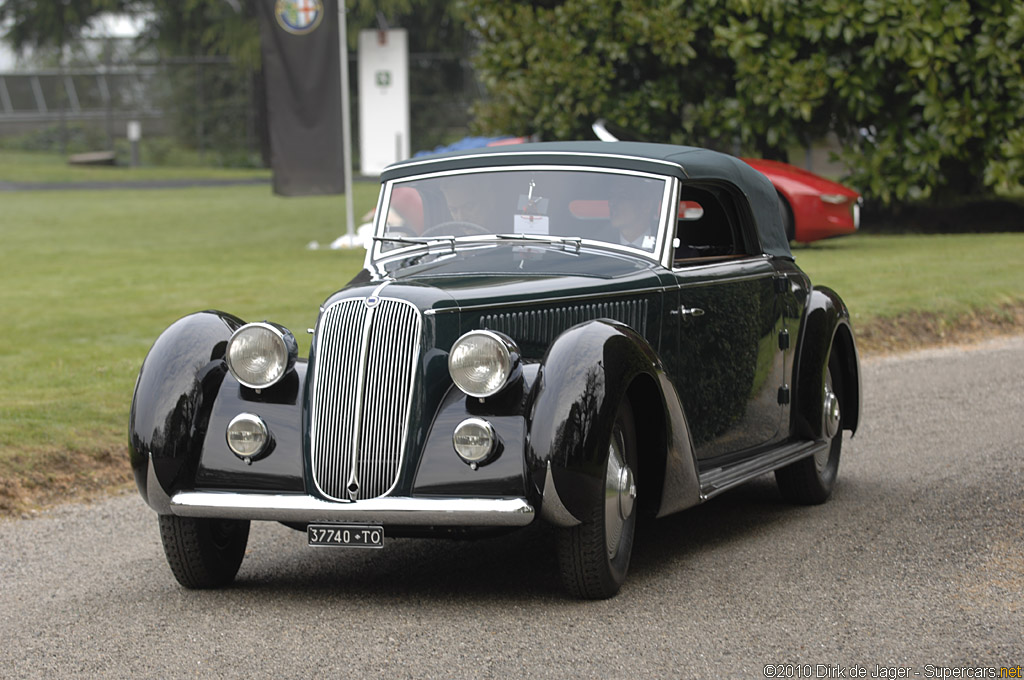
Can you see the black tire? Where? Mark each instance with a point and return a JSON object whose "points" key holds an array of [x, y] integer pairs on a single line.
{"points": [[203, 552], [594, 556], [810, 481]]}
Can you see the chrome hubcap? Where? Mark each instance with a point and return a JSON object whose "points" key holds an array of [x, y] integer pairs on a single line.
{"points": [[619, 495], [831, 414], [831, 418]]}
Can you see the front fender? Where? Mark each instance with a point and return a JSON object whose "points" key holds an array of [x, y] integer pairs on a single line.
{"points": [[825, 329], [174, 394], [584, 376]]}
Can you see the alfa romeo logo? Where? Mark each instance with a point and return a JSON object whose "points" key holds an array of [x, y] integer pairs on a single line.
{"points": [[299, 16]]}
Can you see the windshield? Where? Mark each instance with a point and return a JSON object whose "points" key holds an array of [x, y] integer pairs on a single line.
{"points": [[617, 208]]}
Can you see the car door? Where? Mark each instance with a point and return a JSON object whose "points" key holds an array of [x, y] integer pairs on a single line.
{"points": [[725, 330]]}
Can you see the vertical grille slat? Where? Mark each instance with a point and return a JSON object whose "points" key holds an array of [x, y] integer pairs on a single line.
{"points": [[364, 356]]}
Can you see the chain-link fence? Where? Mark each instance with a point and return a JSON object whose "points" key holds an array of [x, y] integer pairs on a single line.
{"points": [[205, 109]]}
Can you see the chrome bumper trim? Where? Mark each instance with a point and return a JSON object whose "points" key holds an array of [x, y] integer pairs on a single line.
{"points": [[396, 511]]}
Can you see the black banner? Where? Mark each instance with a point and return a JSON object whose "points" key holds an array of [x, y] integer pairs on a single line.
{"points": [[301, 67]]}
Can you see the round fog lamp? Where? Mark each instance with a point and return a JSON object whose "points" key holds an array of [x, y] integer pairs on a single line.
{"points": [[259, 354], [474, 440], [247, 436], [481, 363]]}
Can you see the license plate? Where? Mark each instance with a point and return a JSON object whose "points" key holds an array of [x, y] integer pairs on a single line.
{"points": [[345, 536]]}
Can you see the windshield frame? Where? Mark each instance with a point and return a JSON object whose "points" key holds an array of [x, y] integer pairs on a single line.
{"points": [[377, 256]]}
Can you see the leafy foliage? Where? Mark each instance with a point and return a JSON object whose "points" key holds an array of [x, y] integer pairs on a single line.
{"points": [[926, 96], [209, 98], [41, 23], [205, 27]]}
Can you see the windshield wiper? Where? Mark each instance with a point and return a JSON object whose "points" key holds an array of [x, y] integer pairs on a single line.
{"points": [[416, 241], [574, 241]]}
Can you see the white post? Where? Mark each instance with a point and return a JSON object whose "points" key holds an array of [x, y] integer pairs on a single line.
{"points": [[134, 133], [346, 124]]}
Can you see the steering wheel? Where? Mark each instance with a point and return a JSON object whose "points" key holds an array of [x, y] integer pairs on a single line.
{"points": [[454, 228]]}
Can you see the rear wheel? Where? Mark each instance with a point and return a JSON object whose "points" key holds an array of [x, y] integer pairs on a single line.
{"points": [[810, 481], [594, 555], [203, 552]]}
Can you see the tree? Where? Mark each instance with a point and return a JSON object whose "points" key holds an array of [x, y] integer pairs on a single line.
{"points": [[926, 96], [208, 101], [37, 23]]}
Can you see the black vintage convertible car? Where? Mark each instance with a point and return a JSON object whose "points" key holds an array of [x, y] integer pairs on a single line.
{"points": [[580, 334]]}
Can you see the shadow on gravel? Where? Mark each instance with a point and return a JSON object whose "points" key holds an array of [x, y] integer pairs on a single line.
{"points": [[517, 567]]}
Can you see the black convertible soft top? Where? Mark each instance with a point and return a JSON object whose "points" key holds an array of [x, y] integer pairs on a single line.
{"points": [[684, 162]]}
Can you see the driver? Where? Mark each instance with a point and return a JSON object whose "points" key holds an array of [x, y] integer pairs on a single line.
{"points": [[471, 199]]}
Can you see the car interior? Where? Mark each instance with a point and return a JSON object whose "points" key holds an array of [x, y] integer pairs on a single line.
{"points": [[707, 226]]}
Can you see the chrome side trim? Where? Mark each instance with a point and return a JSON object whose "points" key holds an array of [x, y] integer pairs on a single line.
{"points": [[156, 497], [717, 480], [396, 511], [680, 486], [506, 154], [552, 509]]}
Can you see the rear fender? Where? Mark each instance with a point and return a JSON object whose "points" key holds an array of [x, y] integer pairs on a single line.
{"points": [[826, 329]]}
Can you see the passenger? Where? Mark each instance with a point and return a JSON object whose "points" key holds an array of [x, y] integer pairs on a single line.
{"points": [[635, 216]]}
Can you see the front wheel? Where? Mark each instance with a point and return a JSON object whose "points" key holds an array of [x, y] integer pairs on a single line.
{"points": [[204, 552], [594, 555]]}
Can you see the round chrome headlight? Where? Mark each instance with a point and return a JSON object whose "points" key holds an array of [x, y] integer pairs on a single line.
{"points": [[247, 436], [474, 440], [481, 363], [259, 354]]}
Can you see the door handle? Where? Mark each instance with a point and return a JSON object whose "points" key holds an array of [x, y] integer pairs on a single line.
{"points": [[688, 311]]}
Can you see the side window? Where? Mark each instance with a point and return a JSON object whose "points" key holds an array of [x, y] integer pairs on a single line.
{"points": [[707, 226]]}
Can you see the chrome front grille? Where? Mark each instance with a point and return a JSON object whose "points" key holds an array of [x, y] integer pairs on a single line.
{"points": [[364, 370], [544, 325]]}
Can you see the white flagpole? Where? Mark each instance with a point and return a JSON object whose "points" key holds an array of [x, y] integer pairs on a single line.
{"points": [[346, 124]]}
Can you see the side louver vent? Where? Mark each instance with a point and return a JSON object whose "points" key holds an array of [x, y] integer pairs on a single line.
{"points": [[543, 326]]}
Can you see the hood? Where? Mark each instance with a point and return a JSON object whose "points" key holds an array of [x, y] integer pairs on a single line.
{"points": [[505, 274]]}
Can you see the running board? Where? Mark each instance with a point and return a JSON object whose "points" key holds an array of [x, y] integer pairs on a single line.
{"points": [[717, 480]]}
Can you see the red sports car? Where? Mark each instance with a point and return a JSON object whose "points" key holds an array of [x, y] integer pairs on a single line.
{"points": [[814, 207]]}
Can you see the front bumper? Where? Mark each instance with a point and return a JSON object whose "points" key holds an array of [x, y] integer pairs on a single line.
{"points": [[394, 511], [423, 511]]}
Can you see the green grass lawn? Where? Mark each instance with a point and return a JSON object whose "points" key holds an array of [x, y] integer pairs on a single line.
{"points": [[948, 275], [88, 280]]}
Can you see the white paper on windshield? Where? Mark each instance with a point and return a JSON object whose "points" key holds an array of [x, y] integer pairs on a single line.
{"points": [[531, 224]]}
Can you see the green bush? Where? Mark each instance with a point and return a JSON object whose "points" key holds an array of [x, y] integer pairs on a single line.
{"points": [[926, 96], [77, 139]]}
